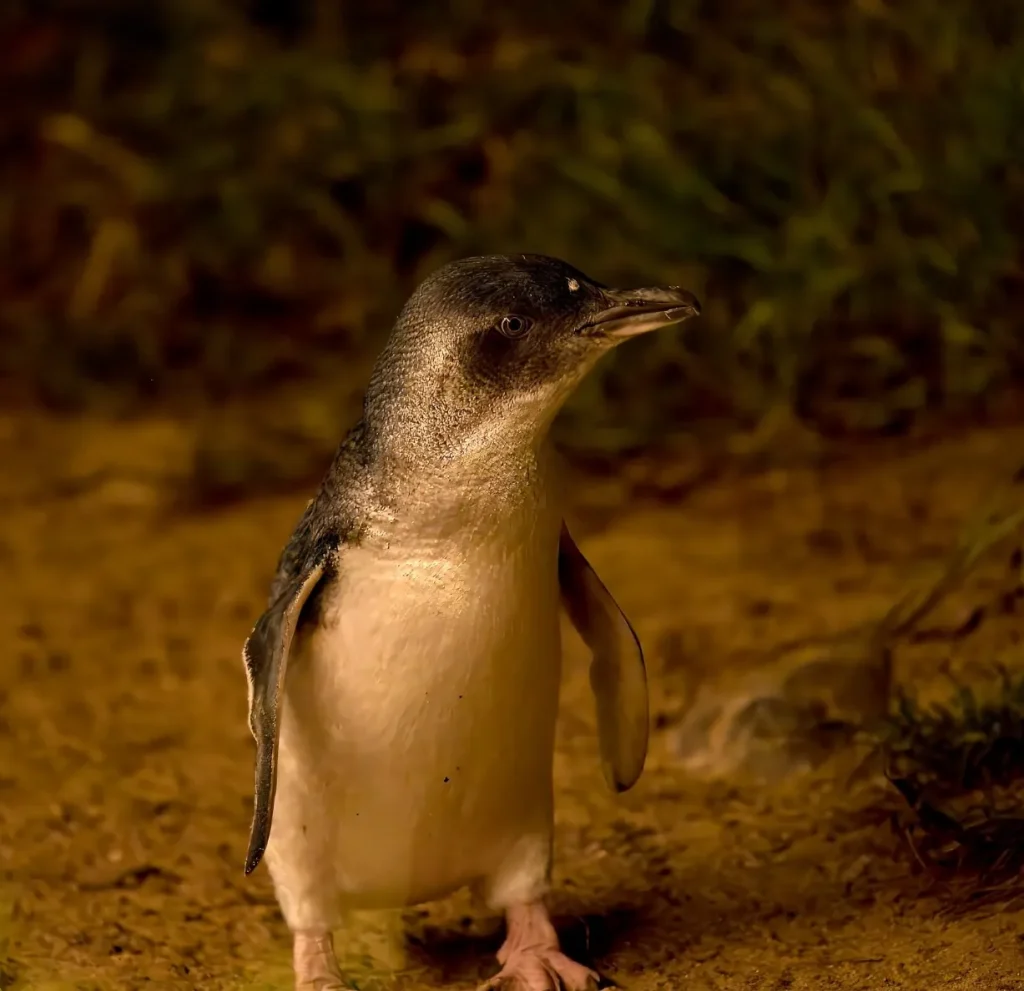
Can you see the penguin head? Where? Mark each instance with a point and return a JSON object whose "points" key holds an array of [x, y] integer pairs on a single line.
{"points": [[487, 349]]}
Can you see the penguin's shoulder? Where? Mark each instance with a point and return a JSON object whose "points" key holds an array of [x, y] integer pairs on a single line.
{"points": [[334, 518]]}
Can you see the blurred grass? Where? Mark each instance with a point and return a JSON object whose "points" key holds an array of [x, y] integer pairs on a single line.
{"points": [[958, 768], [202, 198]]}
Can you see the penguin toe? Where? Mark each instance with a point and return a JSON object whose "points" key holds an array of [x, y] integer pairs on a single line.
{"points": [[542, 970]]}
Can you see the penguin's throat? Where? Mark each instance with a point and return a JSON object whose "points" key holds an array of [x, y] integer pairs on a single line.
{"points": [[450, 455], [478, 490]]}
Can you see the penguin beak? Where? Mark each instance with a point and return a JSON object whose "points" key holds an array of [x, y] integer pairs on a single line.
{"points": [[629, 312]]}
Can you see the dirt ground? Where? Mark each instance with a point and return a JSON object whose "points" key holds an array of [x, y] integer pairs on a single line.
{"points": [[126, 763]]}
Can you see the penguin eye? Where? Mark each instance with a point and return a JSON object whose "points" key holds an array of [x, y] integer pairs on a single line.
{"points": [[514, 326]]}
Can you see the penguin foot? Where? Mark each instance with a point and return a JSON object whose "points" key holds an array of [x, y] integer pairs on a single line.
{"points": [[542, 970], [316, 968], [531, 959]]}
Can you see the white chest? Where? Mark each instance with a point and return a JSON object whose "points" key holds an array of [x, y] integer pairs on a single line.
{"points": [[402, 634], [425, 647], [421, 706]]}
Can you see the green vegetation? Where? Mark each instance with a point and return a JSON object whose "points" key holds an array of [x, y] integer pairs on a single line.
{"points": [[201, 198], [959, 769]]}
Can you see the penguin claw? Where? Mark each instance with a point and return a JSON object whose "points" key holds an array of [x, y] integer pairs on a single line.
{"points": [[541, 970]]}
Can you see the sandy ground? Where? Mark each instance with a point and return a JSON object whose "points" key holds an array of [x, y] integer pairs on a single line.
{"points": [[125, 761]]}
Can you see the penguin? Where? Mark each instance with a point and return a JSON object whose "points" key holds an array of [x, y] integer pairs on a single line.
{"points": [[403, 682]]}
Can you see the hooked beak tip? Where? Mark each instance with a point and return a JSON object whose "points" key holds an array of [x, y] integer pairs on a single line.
{"points": [[636, 311]]}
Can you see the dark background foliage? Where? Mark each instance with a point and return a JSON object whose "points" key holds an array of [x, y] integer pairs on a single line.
{"points": [[203, 198]]}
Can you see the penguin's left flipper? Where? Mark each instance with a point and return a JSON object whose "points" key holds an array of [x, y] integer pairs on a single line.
{"points": [[266, 660], [617, 673]]}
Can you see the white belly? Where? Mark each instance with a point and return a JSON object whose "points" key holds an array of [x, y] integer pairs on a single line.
{"points": [[418, 727]]}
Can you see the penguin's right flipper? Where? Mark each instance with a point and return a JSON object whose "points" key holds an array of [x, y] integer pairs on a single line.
{"points": [[266, 659]]}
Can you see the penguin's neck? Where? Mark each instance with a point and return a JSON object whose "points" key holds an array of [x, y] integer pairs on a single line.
{"points": [[440, 490]]}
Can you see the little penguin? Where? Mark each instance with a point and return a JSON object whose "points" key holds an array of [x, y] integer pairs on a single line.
{"points": [[404, 679]]}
